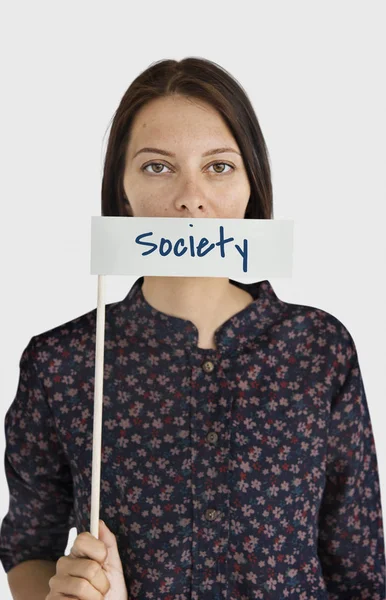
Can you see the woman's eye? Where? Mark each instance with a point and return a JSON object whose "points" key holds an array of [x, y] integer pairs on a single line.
{"points": [[151, 164], [221, 163], [162, 165]]}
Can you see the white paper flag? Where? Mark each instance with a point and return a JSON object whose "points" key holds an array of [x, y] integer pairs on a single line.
{"points": [[250, 249]]}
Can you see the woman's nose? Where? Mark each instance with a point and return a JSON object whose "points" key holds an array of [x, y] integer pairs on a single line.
{"points": [[192, 206], [191, 196]]}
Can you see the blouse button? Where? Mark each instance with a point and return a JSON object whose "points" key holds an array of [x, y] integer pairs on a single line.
{"points": [[211, 514], [208, 366], [212, 437]]}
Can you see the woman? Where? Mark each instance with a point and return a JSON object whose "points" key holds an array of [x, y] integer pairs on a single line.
{"points": [[238, 459]]}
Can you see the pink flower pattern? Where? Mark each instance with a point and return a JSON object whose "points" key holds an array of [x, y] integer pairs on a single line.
{"points": [[243, 472]]}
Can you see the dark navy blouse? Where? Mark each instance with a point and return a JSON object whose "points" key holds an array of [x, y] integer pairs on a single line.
{"points": [[243, 472]]}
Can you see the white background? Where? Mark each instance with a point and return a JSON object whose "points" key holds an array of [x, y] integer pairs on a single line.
{"points": [[315, 73]]}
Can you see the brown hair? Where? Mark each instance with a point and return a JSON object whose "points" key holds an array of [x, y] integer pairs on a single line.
{"points": [[204, 80]]}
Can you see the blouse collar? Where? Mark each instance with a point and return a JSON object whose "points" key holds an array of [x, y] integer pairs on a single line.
{"points": [[144, 323]]}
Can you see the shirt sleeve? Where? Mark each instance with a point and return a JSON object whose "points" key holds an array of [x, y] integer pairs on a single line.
{"points": [[40, 512], [351, 538]]}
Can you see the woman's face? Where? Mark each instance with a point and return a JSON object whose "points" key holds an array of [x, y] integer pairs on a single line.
{"points": [[183, 175]]}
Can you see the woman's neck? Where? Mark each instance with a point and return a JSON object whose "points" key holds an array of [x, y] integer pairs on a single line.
{"points": [[205, 301]]}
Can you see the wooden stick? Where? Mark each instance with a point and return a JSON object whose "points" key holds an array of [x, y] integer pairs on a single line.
{"points": [[98, 407]]}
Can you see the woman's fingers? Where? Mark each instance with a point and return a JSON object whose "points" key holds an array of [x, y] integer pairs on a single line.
{"points": [[80, 575]]}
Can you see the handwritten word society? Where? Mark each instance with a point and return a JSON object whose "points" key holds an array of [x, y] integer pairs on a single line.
{"points": [[165, 246]]}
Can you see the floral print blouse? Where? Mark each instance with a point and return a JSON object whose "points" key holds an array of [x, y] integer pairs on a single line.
{"points": [[243, 472]]}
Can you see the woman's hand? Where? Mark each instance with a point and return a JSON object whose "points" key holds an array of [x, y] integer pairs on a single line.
{"points": [[92, 570]]}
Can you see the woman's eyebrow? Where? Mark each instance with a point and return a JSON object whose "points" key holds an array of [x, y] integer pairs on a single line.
{"points": [[166, 153]]}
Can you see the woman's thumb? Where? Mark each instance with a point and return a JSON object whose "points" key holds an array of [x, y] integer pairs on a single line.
{"points": [[108, 538]]}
